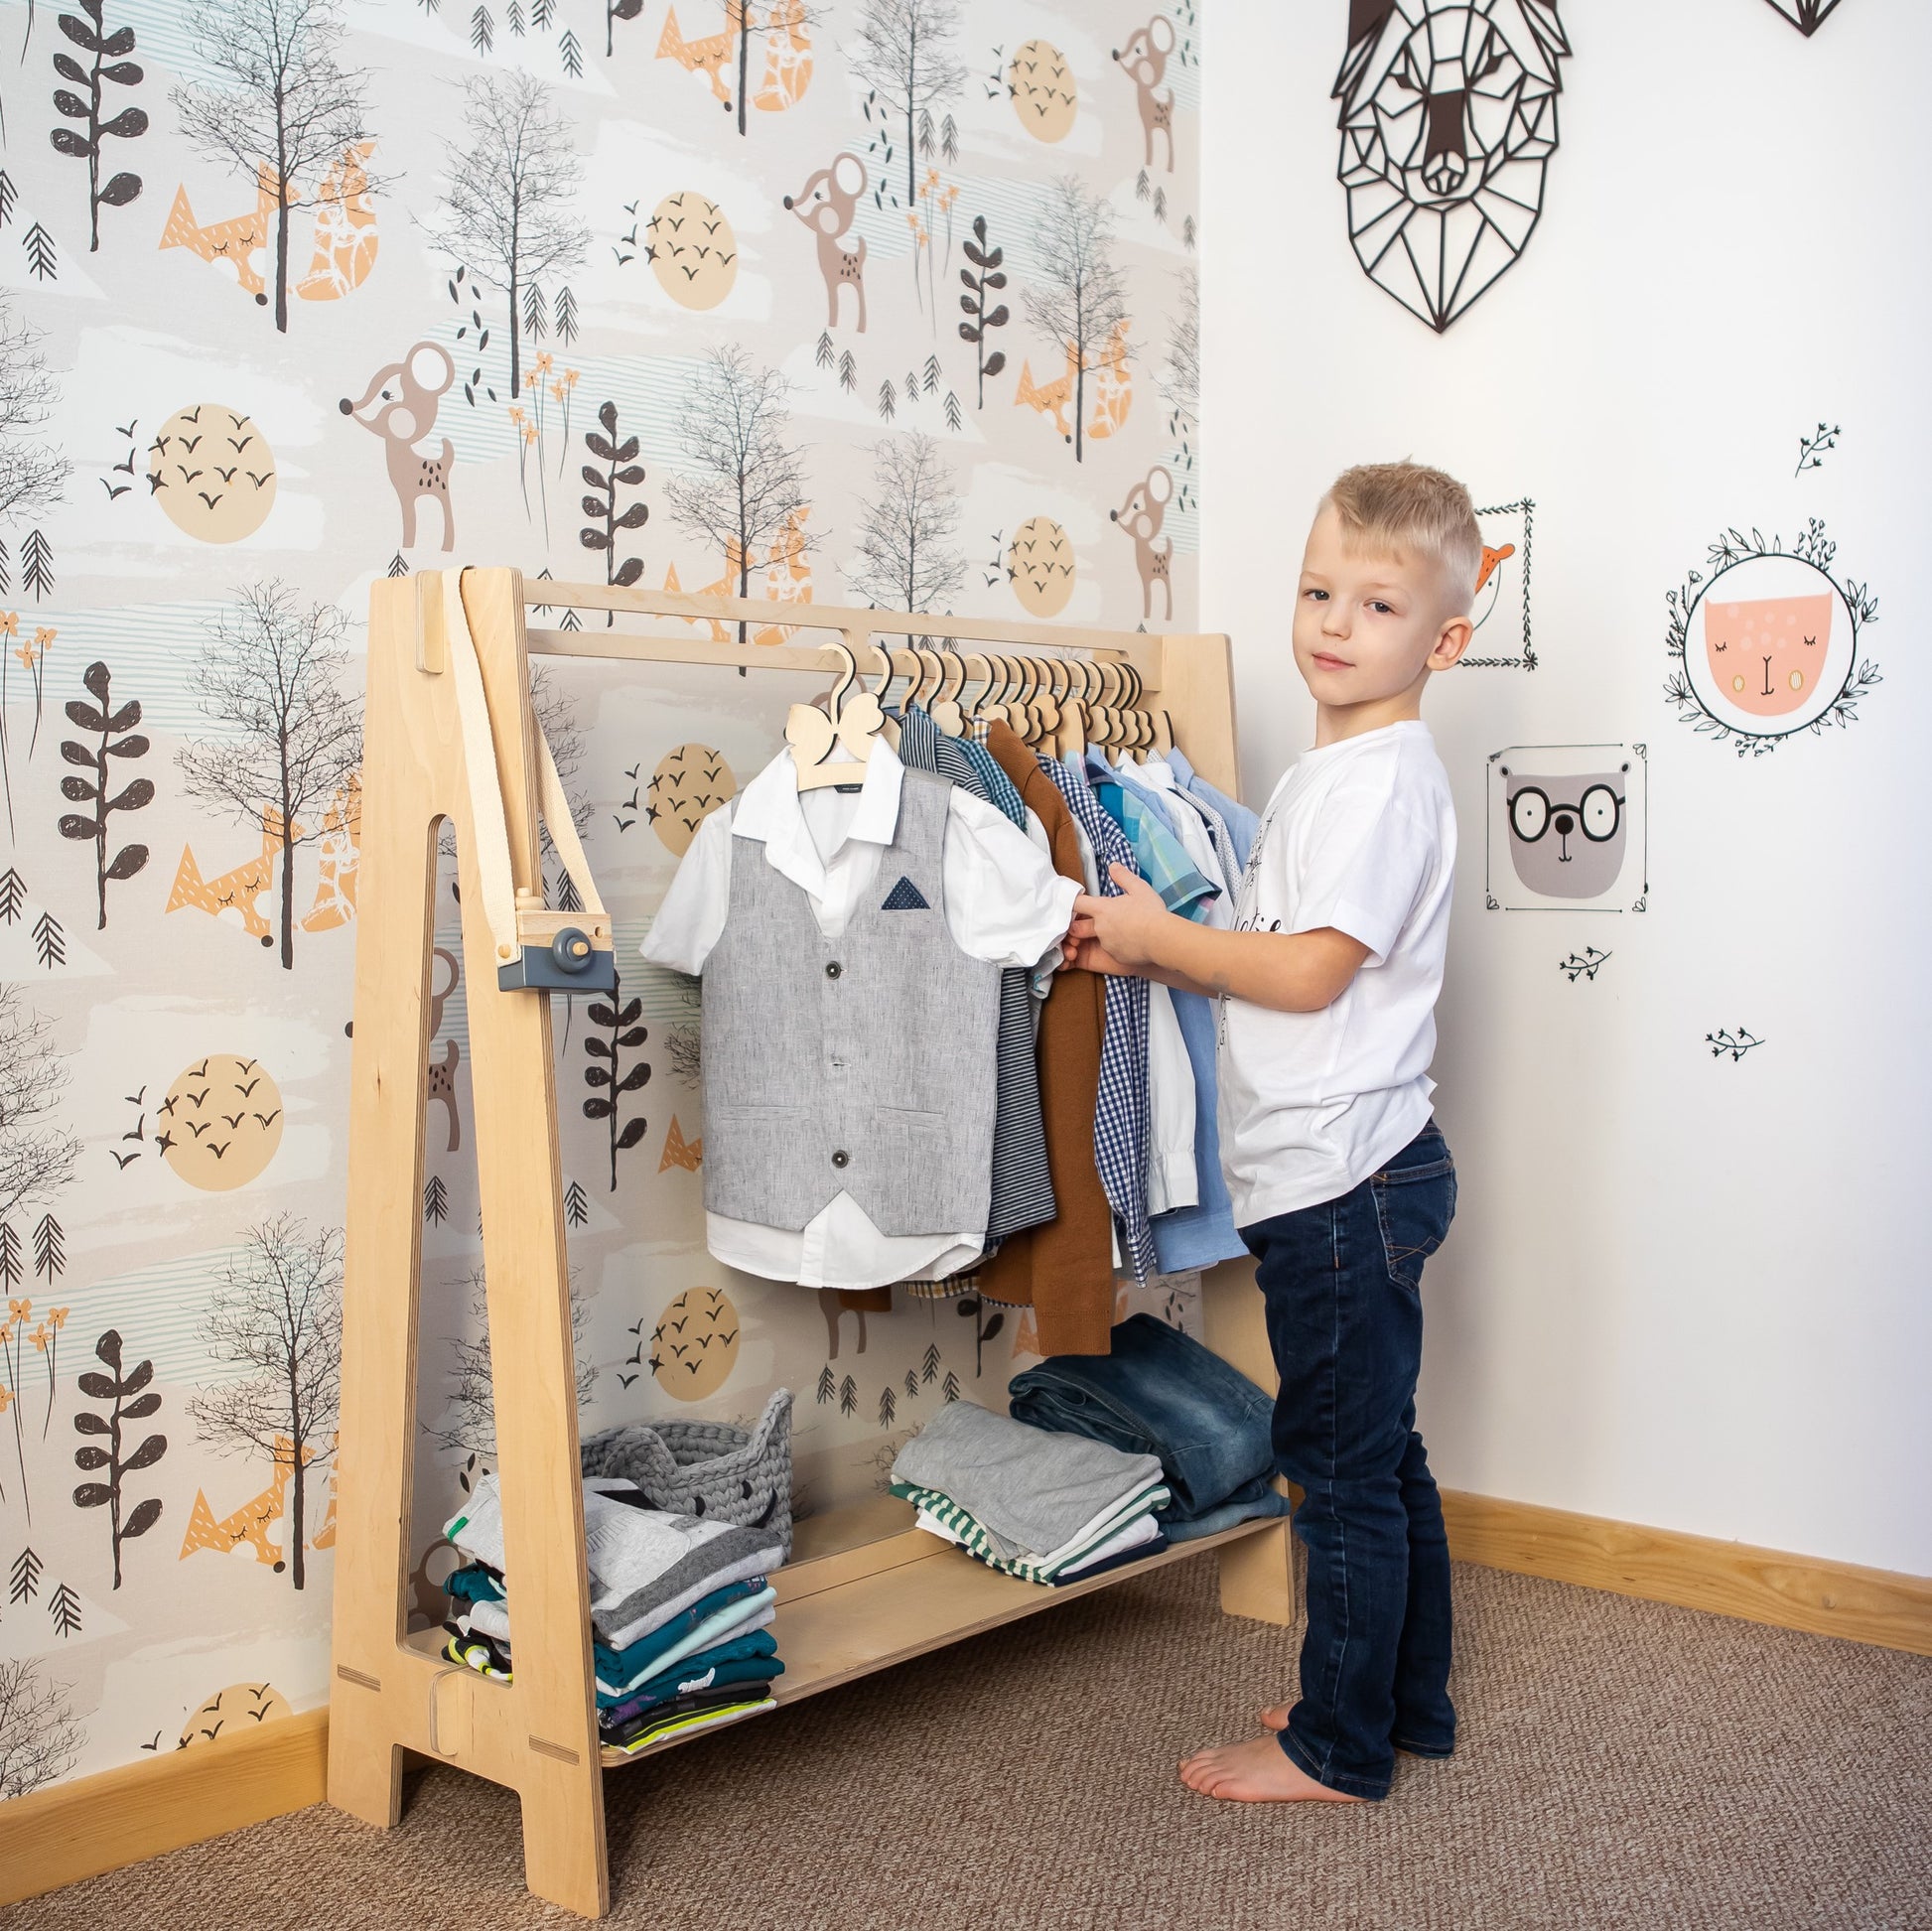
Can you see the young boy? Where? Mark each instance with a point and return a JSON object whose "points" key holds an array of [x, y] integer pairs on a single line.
{"points": [[1342, 1185]]}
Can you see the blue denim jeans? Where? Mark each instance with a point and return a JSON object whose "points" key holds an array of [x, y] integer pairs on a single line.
{"points": [[1341, 1283], [1160, 1392]]}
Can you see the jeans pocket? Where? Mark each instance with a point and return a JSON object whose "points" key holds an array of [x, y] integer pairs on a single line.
{"points": [[1412, 1207]]}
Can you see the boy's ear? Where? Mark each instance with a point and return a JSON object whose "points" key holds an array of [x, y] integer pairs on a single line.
{"points": [[1451, 643]]}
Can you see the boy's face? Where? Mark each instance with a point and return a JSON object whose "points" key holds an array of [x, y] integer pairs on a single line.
{"points": [[1370, 626]]}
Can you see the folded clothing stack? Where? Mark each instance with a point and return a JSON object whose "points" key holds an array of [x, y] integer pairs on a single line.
{"points": [[678, 1611], [1044, 1507], [1159, 1392]]}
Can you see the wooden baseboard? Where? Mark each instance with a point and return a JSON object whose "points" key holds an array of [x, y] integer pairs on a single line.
{"points": [[1728, 1579], [96, 1823], [80, 1829]]}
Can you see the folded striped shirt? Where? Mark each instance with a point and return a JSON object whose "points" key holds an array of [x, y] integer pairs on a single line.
{"points": [[1030, 1566]]}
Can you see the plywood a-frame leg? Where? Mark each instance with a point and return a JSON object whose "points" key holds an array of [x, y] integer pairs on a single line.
{"points": [[538, 1734]]}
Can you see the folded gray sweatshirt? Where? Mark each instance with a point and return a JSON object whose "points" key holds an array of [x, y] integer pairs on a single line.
{"points": [[644, 1563], [1033, 1488]]}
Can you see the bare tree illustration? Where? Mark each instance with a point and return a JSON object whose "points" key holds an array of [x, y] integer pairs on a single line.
{"points": [[272, 678], [37, 1156], [511, 185], [278, 1313], [470, 1422], [1179, 375], [32, 474], [286, 108], [1081, 294], [40, 1739], [746, 475], [902, 52], [907, 559]]}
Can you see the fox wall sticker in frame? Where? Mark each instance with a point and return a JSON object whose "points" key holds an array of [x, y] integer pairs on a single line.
{"points": [[1448, 120], [1568, 828], [1764, 643], [1502, 599]]}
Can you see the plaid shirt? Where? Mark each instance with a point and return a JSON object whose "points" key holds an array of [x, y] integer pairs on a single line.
{"points": [[1120, 1119]]}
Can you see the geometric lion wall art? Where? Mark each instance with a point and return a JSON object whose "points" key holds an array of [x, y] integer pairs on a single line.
{"points": [[1805, 14], [1448, 120], [1766, 645], [1503, 589], [1569, 828]]}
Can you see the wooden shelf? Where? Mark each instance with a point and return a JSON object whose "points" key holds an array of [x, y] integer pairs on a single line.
{"points": [[934, 1595]]}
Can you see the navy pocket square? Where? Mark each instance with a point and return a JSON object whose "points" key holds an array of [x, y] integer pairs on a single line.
{"points": [[906, 896]]}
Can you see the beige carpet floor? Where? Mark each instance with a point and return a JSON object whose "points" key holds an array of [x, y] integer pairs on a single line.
{"points": [[1621, 1764]]}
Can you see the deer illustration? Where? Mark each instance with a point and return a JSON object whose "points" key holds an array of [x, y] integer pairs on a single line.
{"points": [[345, 232], [1140, 516], [1113, 393], [238, 889], [250, 1522], [1143, 60], [400, 406], [340, 857], [826, 204]]}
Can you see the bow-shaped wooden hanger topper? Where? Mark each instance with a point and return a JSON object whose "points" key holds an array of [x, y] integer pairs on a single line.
{"points": [[854, 722]]}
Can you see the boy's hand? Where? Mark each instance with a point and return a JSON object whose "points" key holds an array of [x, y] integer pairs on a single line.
{"points": [[1121, 935]]}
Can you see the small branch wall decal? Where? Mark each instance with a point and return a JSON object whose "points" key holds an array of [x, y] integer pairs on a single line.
{"points": [[986, 275], [109, 68], [606, 1056], [116, 738], [1811, 449], [1586, 964], [1736, 1044], [620, 471], [131, 1400]]}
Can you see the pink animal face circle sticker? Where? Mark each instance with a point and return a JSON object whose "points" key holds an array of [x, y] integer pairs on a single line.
{"points": [[1776, 646]]}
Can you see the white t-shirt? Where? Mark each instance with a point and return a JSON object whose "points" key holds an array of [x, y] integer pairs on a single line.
{"points": [[1359, 836]]}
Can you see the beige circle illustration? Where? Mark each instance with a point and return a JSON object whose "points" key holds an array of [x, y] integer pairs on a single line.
{"points": [[212, 472], [221, 1123], [1042, 87], [688, 785], [694, 1346], [238, 1711], [1039, 561], [693, 252]]}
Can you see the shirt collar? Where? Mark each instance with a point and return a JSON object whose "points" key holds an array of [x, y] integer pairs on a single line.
{"points": [[769, 811]]}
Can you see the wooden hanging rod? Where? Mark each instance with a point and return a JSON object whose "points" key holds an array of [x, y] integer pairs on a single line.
{"points": [[1142, 650]]}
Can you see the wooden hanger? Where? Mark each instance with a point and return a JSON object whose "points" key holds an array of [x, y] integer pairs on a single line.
{"points": [[887, 726], [854, 722], [945, 710]]}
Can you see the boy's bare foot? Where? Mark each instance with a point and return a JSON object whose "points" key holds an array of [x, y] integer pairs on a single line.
{"points": [[1275, 1717], [1259, 1771]]}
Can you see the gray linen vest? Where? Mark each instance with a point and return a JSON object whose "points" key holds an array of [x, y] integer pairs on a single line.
{"points": [[863, 1064]]}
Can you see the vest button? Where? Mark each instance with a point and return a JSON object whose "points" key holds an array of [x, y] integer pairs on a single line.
{"points": [[833, 970], [841, 1157]]}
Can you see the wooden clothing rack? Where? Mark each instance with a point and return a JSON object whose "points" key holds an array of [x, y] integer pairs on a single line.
{"points": [[450, 734]]}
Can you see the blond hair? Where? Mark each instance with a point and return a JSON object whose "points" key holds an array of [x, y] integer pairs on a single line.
{"points": [[1404, 506]]}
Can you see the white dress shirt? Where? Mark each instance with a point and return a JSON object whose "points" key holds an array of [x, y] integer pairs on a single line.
{"points": [[1005, 905]]}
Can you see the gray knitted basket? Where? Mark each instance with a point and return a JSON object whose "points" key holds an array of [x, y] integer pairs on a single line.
{"points": [[706, 1468]]}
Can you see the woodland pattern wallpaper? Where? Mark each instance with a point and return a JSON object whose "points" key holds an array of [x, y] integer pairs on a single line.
{"points": [[868, 300]]}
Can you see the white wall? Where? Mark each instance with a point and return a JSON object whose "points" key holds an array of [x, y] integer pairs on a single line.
{"points": [[1682, 1290]]}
